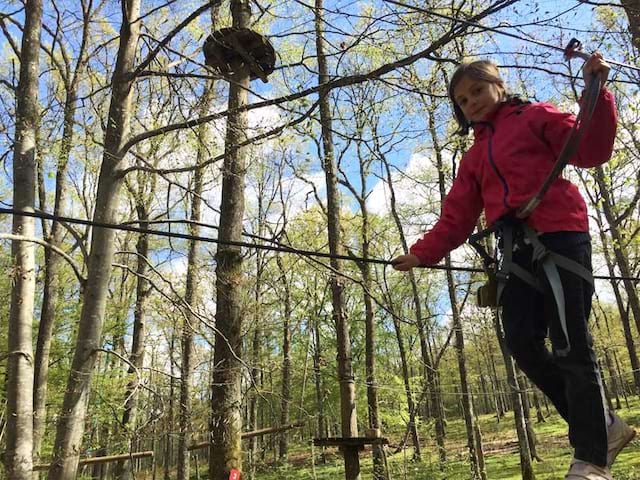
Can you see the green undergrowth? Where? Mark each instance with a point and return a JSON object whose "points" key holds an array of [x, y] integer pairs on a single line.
{"points": [[501, 454]]}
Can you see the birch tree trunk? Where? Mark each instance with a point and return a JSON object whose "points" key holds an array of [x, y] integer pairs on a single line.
{"points": [[71, 424], [225, 453], [53, 261], [19, 382], [348, 412]]}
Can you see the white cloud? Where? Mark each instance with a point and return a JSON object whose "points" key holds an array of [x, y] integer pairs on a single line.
{"points": [[405, 187], [264, 118]]}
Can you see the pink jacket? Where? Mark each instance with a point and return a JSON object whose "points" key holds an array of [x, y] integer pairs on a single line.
{"points": [[510, 158]]}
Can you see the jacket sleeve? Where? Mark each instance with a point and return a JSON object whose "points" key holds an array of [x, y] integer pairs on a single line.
{"points": [[596, 145], [462, 207]]}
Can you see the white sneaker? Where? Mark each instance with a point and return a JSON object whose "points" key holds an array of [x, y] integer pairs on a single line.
{"points": [[580, 470], [619, 435]]}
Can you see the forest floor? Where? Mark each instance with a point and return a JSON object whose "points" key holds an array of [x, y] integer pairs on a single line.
{"points": [[500, 447]]}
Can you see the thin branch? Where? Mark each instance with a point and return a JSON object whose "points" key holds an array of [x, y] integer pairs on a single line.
{"points": [[333, 84], [154, 53], [59, 251]]}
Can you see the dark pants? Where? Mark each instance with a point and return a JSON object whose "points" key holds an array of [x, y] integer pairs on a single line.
{"points": [[573, 382]]}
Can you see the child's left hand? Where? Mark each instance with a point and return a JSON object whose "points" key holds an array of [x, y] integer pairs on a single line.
{"points": [[596, 64]]}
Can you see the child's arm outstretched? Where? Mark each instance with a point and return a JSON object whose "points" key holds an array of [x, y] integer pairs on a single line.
{"points": [[460, 212]]}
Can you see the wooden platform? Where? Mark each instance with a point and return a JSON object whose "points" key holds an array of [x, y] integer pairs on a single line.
{"points": [[354, 442]]}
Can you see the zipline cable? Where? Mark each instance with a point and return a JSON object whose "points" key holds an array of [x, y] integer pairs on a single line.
{"points": [[255, 246], [498, 31]]}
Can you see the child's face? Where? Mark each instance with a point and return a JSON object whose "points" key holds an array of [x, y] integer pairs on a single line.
{"points": [[477, 99]]}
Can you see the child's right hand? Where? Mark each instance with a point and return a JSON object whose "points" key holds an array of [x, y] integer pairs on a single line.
{"points": [[405, 262], [596, 64]]}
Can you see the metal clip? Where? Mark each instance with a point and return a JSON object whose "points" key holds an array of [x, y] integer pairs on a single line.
{"points": [[574, 49]]}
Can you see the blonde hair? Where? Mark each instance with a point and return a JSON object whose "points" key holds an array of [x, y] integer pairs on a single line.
{"points": [[483, 70]]}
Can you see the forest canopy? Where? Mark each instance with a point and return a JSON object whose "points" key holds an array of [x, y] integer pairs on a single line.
{"points": [[196, 247]]}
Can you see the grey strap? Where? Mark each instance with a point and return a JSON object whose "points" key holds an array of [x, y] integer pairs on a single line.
{"points": [[508, 266], [572, 266], [550, 262], [551, 271]]}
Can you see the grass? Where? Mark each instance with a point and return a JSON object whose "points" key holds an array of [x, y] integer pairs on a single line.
{"points": [[500, 446]]}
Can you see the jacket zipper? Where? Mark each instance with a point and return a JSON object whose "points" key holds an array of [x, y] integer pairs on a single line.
{"points": [[505, 185]]}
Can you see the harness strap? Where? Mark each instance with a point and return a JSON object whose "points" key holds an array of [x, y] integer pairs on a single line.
{"points": [[549, 261], [507, 266]]}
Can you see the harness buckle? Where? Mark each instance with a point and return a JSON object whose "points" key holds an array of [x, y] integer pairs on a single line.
{"points": [[502, 276]]}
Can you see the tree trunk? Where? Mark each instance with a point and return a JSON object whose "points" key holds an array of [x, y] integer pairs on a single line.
{"points": [[619, 373], [379, 472], [256, 344], [526, 410], [71, 424], [431, 375], [348, 412], [476, 456], [51, 284], [167, 460], [536, 404], [500, 406], [526, 465], [618, 245], [475, 450], [191, 299], [632, 8], [225, 453], [19, 370], [622, 310], [317, 373], [605, 388], [53, 261], [255, 374], [286, 361], [614, 378], [411, 427], [124, 470]]}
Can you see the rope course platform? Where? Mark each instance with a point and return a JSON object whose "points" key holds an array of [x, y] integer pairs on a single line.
{"points": [[229, 49], [349, 442]]}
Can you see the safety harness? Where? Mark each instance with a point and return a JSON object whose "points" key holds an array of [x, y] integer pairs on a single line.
{"points": [[513, 231]]}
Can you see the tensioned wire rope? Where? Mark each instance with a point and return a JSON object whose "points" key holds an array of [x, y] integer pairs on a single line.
{"points": [[297, 251], [235, 243]]}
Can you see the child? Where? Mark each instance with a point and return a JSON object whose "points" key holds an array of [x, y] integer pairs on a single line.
{"points": [[515, 146]]}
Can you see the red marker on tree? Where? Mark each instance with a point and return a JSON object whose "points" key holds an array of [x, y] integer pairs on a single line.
{"points": [[234, 474]]}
